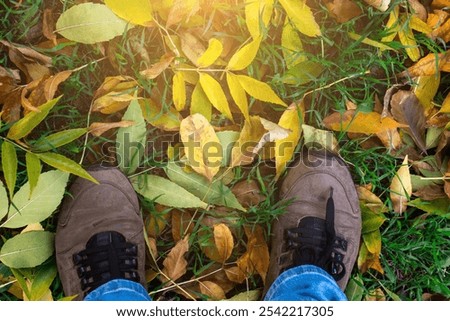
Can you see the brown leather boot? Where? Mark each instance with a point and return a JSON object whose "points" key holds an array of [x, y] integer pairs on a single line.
{"points": [[322, 225], [100, 234]]}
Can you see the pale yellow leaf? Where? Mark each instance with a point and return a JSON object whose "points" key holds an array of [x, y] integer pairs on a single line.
{"points": [[319, 137], [191, 46], [257, 15], [292, 46], [245, 55], [223, 240], [212, 290], [201, 144], [238, 94], [401, 187], [137, 12], [392, 26], [179, 91], [200, 104], [446, 105], [407, 39], [255, 134], [211, 54], [215, 94], [381, 5], [368, 41], [181, 11], [302, 17], [165, 119], [425, 89], [284, 148], [244, 150], [175, 263], [419, 25], [259, 90]]}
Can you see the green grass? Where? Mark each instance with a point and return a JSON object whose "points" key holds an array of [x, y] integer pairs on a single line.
{"points": [[415, 252]]}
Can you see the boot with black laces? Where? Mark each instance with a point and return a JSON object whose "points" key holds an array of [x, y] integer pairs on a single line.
{"points": [[100, 234], [322, 224]]}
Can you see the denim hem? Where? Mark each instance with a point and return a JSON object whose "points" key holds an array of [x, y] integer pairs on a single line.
{"points": [[119, 290], [305, 283]]}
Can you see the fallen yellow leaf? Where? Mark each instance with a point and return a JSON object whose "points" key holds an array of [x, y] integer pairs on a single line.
{"points": [[201, 145], [401, 187]]}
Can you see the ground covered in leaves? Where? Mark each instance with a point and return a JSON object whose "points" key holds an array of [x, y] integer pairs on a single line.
{"points": [[204, 104]]}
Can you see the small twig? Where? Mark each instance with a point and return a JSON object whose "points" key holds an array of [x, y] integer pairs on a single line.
{"points": [[336, 82], [14, 143], [186, 282]]}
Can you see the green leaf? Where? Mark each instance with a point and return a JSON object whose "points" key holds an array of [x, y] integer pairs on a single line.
{"points": [[259, 90], [130, 141], [372, 241], [244, 56], [302, 17], [253, 295], [215, 94], [27, 250], [238, 94], [3, 201], [211, 54], [58, 139], [212, 193], [355, 289], [33, 170], [200, 104], [43, 202], [439, 206], [370, 221], [24, 126], [165, 192], [90, 23], [65, 164], [42, 281], [303, 73], [227, 139], [9, 166]]}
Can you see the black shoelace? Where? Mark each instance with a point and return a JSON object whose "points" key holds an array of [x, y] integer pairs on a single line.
{"points": [[107, 256], [314, 242]]}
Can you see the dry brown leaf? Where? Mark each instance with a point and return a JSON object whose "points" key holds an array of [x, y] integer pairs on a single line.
{"points": [[97, 129], [256, 258], [181, 224], [248, 193], [401, 187], [156, 69], [34, 64], [391, 139], [343, 10], [175, 263], [12, 106], [407, 109], [235, 274], [376, 295], [191, 46], [369, 199], [418, 9], [48, 26], [429, 65], [181, 10], [212, 290], [439, 4], [223, 240], [51, 84]]}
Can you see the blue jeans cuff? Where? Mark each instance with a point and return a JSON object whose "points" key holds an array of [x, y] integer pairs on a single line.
{"points": [[305, 283], [119, 290]]}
